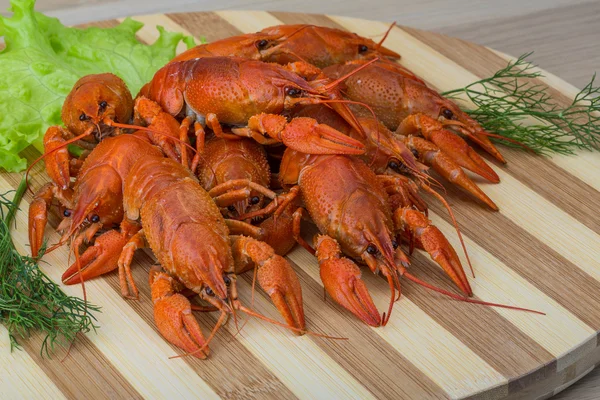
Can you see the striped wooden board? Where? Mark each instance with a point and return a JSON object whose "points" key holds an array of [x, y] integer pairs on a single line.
{"points": [[541, 251]]}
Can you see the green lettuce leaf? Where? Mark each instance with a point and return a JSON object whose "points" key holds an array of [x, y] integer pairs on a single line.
{"points": [[43, 59]]}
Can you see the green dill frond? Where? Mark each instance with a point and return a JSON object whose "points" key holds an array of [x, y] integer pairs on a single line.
{"points": [[511, 104], [29, 299]]}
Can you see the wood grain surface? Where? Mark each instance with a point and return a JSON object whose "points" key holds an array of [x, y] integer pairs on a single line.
{"points": [[539, 251]]}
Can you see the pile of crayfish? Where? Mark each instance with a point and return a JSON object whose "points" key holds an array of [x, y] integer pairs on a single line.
{"points": [[221, 155]]}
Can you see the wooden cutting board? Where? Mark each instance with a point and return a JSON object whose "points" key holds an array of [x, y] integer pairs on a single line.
{"points": [[540, 251]]}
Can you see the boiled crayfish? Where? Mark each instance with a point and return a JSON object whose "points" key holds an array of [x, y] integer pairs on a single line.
{"points": [[360, 137]]}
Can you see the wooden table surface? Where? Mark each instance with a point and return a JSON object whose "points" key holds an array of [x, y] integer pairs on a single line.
{"points": [[563, 33]]}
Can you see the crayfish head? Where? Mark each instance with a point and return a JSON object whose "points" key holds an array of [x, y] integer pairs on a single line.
{"points": [[98, 198], [252, 46], [426, 101], [306, 42], [93, 99]]}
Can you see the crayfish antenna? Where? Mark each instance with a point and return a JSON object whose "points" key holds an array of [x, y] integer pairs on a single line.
{"points": [[465, 130], [385, 36], [292, 328], [85, 303], [451, 213], [385, 318], [339, 80], [464, 299], [110, 122]]}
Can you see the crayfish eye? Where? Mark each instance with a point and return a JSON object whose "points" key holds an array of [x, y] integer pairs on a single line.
{"points": [[293, 92], [415, 153], [394, 244], [67, 212], [95, 218], [393, 164], [209, 291], [103, 104], [362, 48], [371, 249], [227, 280], [261, 44], [254, 200], [231, 208], [447, 113], [83, 117]]}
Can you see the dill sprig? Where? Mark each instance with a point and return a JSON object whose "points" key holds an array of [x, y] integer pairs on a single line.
{"points": [[29, 299], [511, 104]]}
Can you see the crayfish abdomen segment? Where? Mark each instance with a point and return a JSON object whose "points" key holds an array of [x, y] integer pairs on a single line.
{"points": [[187, 233]]}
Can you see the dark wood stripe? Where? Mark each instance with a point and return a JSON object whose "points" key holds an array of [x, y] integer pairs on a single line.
{"points": [[312, 19], [85, 373], [227, 370], [207, 25], [556, 185]]}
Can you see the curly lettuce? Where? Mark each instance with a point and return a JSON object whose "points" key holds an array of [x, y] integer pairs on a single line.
{"points": [[43, 59]]}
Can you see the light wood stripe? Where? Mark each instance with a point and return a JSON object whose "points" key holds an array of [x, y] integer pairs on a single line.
{"points": [[249, 21], [208, 25], [22, 378]]}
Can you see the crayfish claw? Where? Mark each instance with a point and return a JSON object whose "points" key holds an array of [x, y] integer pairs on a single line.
{"points": [[173, 316], [98, 259], [342, 280], [433, 241], [308, 136], [275, 276], [38, 217]]}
